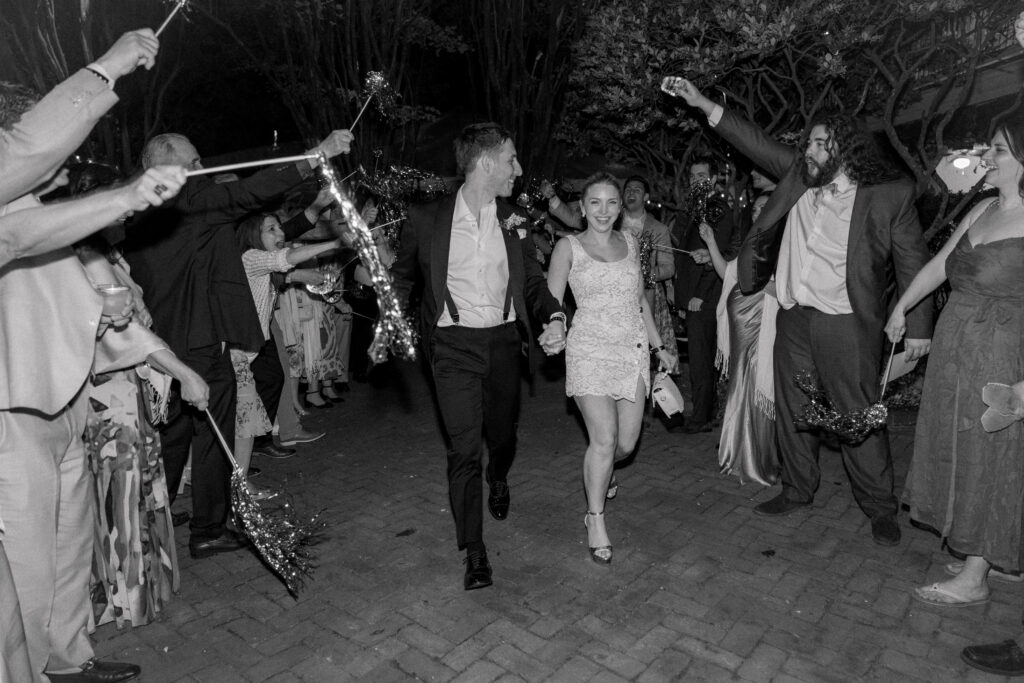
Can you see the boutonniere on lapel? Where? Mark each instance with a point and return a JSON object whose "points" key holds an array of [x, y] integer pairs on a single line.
{"points": [[512, 222]]}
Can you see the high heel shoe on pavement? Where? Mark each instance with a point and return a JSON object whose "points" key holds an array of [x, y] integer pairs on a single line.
{"points": [[601, 554], [613, 489]]}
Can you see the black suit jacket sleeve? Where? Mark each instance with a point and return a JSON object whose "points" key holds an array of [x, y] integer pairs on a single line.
{"points": [[909, 256], [296, 226]]}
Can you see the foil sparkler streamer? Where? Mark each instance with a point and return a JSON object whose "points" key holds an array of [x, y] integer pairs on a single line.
{"points": [[393, 330], [852, 427], [645, 244], [282, 540], [394, 188], [377, 89]]}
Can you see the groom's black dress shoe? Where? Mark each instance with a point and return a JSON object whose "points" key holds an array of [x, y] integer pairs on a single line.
{"points": [[1002, 659], [499, 499], [95, 671], [478, 570], [885, 530], [227, 542]]}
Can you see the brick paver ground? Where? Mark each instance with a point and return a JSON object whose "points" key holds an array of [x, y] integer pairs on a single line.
{"points": [[700, 588]]}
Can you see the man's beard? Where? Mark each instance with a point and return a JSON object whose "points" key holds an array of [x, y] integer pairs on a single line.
{"points": [[826, 172]]}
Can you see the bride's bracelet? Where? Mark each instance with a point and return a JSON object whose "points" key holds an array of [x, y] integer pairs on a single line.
{"points": [[657, 349]]}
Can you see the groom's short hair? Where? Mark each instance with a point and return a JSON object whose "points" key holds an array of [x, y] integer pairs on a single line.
{"points": [[476, 140]]}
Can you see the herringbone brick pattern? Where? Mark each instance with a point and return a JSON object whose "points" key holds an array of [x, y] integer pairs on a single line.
{"points": [[700, 588]]}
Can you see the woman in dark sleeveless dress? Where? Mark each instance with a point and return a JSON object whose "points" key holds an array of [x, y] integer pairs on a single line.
{"points": [[965, 482]]}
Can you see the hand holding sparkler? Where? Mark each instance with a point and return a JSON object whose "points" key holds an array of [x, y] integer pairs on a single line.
{"points": [[338, 142], [133, 49]]}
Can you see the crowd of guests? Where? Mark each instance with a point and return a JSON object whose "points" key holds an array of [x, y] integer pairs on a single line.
{"points": [[177, 307], [167, 303]]}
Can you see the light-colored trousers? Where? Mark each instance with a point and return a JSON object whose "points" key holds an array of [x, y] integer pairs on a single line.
{"points": [[47, 507]]}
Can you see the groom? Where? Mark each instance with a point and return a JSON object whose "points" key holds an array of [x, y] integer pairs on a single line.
{"points": [[480, 285]]}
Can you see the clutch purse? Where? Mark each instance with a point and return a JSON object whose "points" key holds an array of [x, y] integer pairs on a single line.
{"points": [[666, 395]]}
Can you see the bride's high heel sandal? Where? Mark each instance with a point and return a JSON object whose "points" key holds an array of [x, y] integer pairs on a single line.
{"points": [[601, 554]]}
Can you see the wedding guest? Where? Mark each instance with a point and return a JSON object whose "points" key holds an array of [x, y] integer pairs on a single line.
{"points": [[966, 482], [262, 243], [44, 491], [607, 354], [746, 336], [480, 283], [698, 287], [185, 259], [850, 220], [134, 558]]}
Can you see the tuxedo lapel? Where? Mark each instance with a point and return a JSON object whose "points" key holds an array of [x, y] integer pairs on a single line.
{"points": [[858, 225], [440, 246]]}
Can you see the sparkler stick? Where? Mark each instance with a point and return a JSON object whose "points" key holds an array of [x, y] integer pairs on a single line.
{"points": [[177, 6], [360, 114], [251, 164]]}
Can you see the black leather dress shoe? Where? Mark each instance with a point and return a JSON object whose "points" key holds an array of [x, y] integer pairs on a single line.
{"points": [[478, 571], [272, 450], [885, 530], [499, 499], [225, 543], [95, 671], [1002, 659], [180, 518], [779, 505]]}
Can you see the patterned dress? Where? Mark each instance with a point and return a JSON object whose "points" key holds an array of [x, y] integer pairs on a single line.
{"points": [[606, 348], [135, 564], [967, 483]]}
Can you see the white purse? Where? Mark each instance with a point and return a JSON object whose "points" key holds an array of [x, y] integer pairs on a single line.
{"points": [[666, 395]]}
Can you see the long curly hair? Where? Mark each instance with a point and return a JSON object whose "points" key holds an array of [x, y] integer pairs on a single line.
{"points": [[854, 146]]}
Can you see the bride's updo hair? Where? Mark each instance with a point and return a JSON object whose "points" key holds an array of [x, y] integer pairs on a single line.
{"points": [[600, 178]]}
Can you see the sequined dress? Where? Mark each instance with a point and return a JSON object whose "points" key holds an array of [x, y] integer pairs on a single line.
{"points": [[606, 348], [963, 481]]}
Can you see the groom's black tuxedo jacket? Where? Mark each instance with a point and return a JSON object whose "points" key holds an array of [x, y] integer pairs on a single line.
{"points": [[423, 256]]}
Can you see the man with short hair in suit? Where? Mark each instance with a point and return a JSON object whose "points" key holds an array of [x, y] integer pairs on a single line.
{"points": [[481, 283], [185, 258], [698, 288], [849, 223]]}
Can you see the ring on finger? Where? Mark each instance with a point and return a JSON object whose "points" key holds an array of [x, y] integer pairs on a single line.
{"points": [[160, 189]]}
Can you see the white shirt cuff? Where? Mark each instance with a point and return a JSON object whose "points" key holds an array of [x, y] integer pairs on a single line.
{"points": [[716, 115], [103, 72]]}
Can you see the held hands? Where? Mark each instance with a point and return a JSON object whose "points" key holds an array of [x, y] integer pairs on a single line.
{"points": [[552, 339], [154, 187], [133, 49]]}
